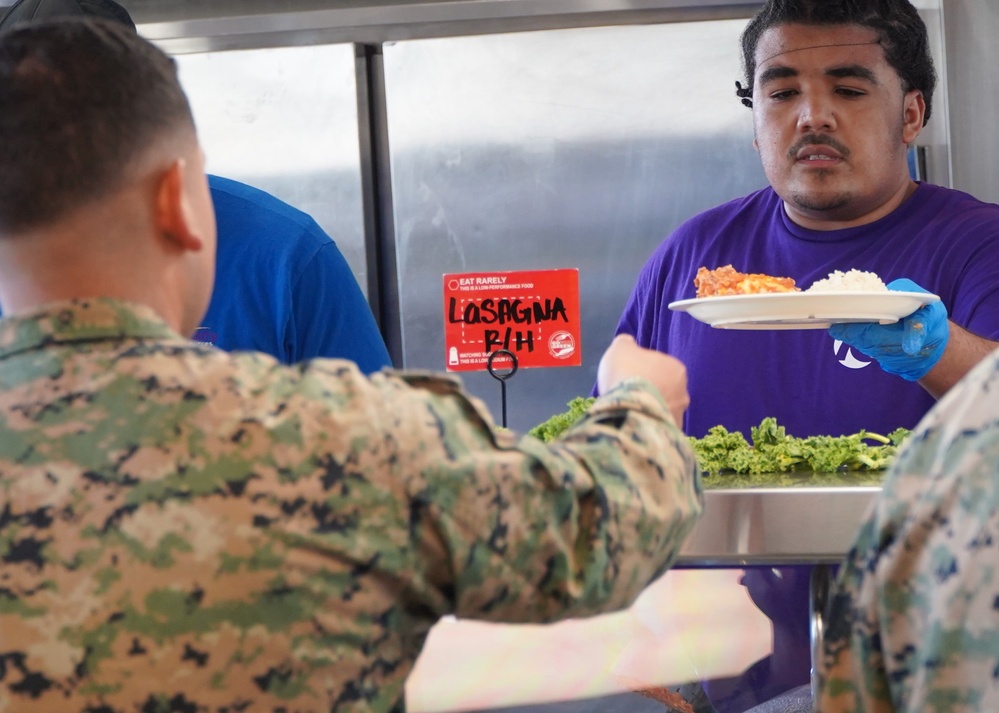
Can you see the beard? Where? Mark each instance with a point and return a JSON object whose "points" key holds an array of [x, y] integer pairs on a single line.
{"points": [[820, 203]]}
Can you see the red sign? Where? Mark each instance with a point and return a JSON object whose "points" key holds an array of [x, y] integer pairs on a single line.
{"points": [[532, 313]]}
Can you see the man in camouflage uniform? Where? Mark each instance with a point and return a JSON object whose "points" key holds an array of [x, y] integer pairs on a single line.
{"points": [[913, 624], [183, 529]]}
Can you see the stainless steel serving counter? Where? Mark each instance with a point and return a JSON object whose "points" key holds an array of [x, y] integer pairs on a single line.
{"points": [[775, 526], [781, 526]]}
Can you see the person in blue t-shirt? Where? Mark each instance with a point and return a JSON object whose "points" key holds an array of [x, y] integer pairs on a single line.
{"points": [[281, 285]]}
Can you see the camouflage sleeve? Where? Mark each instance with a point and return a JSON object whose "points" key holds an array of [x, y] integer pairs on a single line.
{"points": [[515, 530], [185, 529], [913, 623]]}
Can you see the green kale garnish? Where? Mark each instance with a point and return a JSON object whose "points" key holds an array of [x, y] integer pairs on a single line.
{"points": [[773, 451], [773, 457], [554, 426]]}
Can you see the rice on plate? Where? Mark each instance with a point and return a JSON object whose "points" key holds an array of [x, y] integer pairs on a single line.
{"points": [[849, 281]]}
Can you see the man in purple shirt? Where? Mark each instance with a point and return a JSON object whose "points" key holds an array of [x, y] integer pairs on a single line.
{"points": [[839, 92]]}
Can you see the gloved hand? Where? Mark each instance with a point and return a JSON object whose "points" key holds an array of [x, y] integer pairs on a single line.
{"points": [[908, 348]]}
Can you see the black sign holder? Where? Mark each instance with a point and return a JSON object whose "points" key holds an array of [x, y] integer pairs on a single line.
{"points": [[502, 376]]}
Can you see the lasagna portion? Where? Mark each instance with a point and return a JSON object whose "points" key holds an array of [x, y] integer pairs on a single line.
{"points": [[728, 281]]}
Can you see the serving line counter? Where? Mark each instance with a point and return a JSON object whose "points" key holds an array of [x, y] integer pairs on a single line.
{"points": [[696, 622], [781, 526], [776, 526]]}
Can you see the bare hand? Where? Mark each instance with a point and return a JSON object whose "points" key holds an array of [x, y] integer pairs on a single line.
{"points": [[625, 359]]}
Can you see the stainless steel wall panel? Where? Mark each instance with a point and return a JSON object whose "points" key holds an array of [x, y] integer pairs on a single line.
{"points": [[574, 148], [285, 120], [971, 27]]}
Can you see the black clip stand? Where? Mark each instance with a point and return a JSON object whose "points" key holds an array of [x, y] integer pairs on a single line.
{"points": [[502, 377]]}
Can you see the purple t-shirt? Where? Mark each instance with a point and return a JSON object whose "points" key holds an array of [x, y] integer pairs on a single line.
{"points": [[944, 240]]}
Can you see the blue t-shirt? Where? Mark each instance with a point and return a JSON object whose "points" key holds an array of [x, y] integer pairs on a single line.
{"points": [[944, 240], [282, 286]]}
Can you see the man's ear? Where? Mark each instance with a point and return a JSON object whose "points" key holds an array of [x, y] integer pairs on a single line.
{"points": [[174, 214], [913, 112]]}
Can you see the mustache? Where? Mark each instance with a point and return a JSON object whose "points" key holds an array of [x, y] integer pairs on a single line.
{"points": [[817, 140]]}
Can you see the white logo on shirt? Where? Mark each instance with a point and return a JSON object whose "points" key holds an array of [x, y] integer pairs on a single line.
{"points": [[849, 361]]}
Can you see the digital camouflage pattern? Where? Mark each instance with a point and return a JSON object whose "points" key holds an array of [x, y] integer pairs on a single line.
{"points": [[913, 622], [188, 530]]}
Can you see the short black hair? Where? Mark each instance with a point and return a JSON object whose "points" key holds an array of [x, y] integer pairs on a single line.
{"points": [[40, 10], [901, 34], [80, 101]]}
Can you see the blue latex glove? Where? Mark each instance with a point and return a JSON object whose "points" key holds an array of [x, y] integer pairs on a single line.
{"points": [[908, 348]]}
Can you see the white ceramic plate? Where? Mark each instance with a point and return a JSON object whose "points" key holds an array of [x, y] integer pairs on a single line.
{"points": [[802, 310]]}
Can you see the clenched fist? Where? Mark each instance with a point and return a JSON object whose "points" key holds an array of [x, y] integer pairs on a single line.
{"points": [[625, 359]]}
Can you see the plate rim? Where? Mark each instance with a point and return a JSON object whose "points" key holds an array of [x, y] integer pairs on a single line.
{"points": [[767, 321], [926, 297]]}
